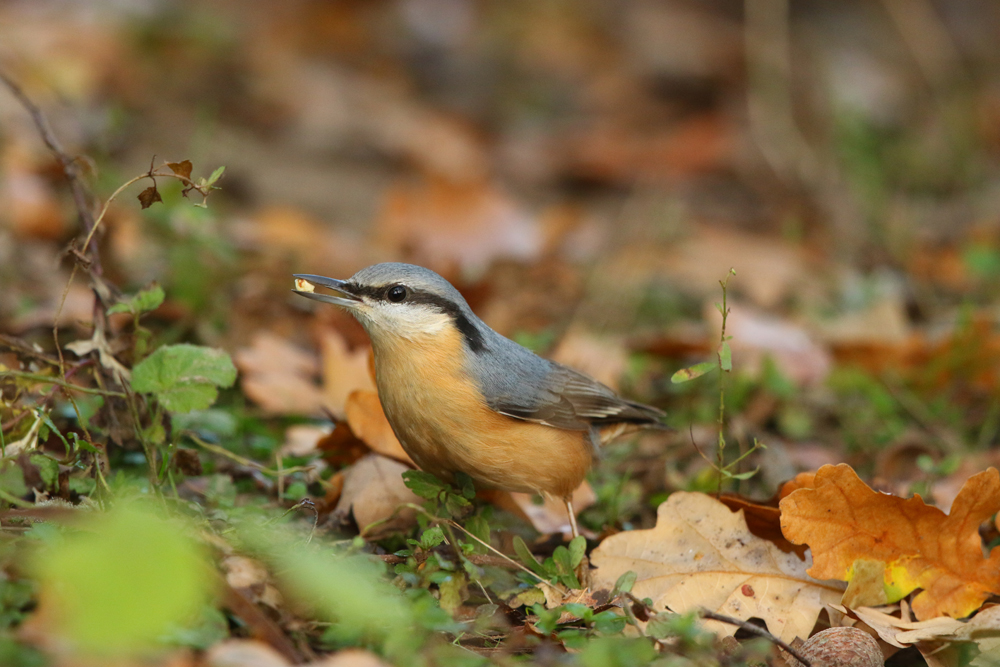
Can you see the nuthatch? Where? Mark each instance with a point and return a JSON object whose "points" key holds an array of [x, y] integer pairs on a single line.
{"points": [[462, 398]]}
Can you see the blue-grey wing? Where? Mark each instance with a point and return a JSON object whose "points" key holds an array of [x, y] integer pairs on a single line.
{"points": [[563, 398]]}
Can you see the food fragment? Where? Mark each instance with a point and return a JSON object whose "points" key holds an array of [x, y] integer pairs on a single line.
{"points": [[304, 285]]}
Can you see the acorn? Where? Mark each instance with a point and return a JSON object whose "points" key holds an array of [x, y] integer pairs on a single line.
{"points": [[839, 647]]}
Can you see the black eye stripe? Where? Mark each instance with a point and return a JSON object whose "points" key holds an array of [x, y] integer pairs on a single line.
{"points": [[473, 338]]}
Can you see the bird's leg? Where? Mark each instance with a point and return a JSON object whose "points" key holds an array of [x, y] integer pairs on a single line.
{"points": [[572, 517]]}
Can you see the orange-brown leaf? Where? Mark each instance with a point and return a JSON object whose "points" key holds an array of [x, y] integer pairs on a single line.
{"points": [[181, 168], [843, 520], [367, 421]]}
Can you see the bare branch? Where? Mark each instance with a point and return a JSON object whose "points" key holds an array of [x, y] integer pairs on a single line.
{"points": [[69, 165]]}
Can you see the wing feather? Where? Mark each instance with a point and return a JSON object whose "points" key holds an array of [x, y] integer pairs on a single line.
{"points": [[566, 399]]}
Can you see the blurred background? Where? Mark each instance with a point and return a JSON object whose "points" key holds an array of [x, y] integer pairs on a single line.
{"points": [[586, 172]]}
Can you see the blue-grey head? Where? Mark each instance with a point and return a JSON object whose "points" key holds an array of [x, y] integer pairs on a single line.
{"points": [[394, 299]]}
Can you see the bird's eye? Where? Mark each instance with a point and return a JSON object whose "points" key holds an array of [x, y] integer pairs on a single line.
{"points": [[396, 293]]}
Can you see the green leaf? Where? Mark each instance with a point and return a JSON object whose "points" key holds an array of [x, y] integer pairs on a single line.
{"points": [[619, 651], [609, 623], [452, 591], [107, 608], [577, 550], [692, 372], [529, 597], [85, 445], [526, 557], [624, 583], [743, 475], [12, 480], [184, 377], [456, 505], [143, 302], [479, 527], [579, 610], [48, 469], [465, 483], [432, 537], [296, 491], [423, 484], [563, 564], [725, 357], [216, 175]]}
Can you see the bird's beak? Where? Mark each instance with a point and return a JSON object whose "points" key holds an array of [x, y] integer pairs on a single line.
{"points": [[305, 285]]}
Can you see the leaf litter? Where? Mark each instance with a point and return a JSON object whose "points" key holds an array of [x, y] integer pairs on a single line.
{"points": [[337, 166]]}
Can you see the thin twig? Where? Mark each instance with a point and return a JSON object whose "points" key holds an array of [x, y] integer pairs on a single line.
{"points": [[68, 164], [482, 560], [755, 630], [722, 618], [499, 553], [48, 379]]}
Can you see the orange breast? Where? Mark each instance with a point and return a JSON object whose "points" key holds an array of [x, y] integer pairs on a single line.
{"points": [[444, 424]]}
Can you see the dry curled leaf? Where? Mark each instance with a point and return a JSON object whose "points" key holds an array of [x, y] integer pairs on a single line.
{"points": [[344, 371], [844, 521], [181, 168], [939, 639], [700, 554], [375, 493], [149, 196]]}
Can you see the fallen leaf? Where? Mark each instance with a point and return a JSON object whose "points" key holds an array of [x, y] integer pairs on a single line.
{"points": [[344, 371], [548, 517], [768, 270], [244, 653], [445, 223], [700, 554], [349, 657], [611, 152], [866, 584], [843, 520], [889, 627], [937, 637], [31, 207], [341, 447], [763, 521], [804, 480], [303, 439], [250, 576], [373, 492], [278, 376], [883, 322], [367, 421], [77, 309]]}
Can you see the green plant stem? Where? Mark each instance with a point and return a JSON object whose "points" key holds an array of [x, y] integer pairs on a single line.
{"points": [[439, 520], [720, 456], [14, 500], [222, 451]]}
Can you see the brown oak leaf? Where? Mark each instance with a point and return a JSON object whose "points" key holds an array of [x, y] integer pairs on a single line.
{"points": [[701, 554], [844, 521]]}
